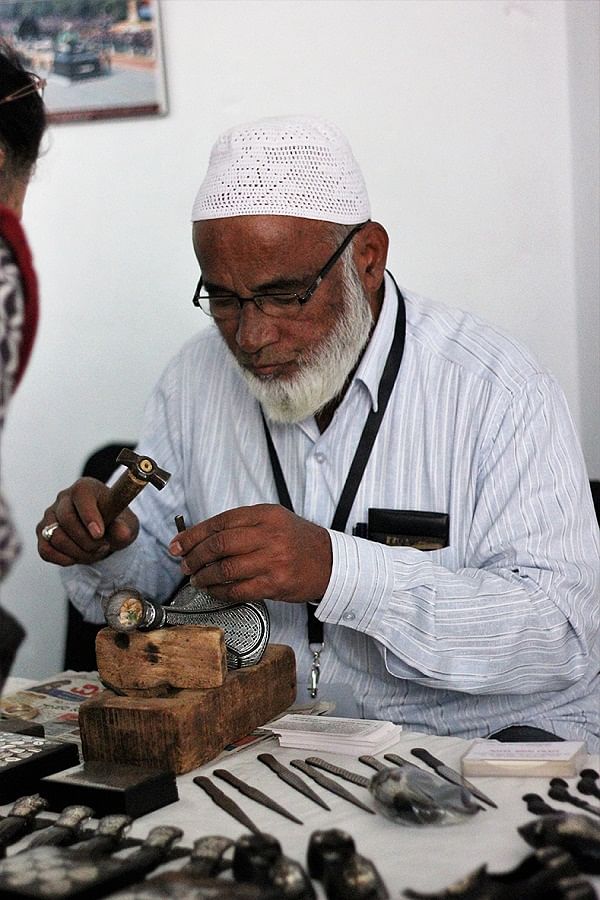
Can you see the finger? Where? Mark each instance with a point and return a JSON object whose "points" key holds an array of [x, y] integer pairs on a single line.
{"points": [[85, 502], [240, 517], [59, 549], [251, 589], [224, 545]]}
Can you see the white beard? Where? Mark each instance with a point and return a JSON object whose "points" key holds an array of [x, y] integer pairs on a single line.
{"points": [[325, 369]]}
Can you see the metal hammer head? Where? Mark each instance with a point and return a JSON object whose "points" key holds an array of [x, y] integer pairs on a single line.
{"points": [[144, 468]]}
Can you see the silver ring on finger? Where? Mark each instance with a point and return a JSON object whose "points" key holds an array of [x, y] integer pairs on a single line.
{"points": [[48, 530]]}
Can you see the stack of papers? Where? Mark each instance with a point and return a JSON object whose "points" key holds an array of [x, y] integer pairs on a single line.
{"points": [[336, 735]]}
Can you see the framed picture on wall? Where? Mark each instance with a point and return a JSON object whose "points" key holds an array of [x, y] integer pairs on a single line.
{"points": [[101, 59]]}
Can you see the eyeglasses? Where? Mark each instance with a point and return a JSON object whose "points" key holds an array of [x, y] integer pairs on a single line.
{"points": [[229, 306], [36, 84]]}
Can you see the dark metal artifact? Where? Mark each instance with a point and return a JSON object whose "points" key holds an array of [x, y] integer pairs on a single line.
{"points": [[225, 803], [576, 833], [108, 836], [587, 783], [326, 848], [450, 774], [373, 762], [65, 830], [20, 820], [198, 878], [258, 859], [345, 874], [291, 778], [399, 760], [346, 774], [329, 784], [254, 794], [538, 805], [559, 790], [414, 797], [548, 874], [59, 872]]}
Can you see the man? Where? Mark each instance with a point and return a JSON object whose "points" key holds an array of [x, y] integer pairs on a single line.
{"points": [[323, 392]]}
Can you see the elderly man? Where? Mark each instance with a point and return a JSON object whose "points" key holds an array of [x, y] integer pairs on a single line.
{"points": [[400, 480]]}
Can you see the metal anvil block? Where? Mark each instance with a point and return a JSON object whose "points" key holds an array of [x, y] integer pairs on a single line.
{"points": [[189, 728]]}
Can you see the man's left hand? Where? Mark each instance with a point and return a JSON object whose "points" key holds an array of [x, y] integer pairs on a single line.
{"points": [[256, 552]]}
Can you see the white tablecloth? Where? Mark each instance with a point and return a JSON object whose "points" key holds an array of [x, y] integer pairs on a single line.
{"points": [[423, 858]]}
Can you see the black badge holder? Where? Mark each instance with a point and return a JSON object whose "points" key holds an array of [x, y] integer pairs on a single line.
{"points": [[406, 528]]}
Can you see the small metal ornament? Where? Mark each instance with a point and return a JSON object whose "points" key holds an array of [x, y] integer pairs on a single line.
{"points": [[246, 625]]}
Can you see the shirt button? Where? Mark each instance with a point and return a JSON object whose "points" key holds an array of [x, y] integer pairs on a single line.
{"points": [[320, 457], [349, 616]]}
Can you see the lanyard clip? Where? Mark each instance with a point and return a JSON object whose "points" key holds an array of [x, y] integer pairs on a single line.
{"points": [[315, 671]]}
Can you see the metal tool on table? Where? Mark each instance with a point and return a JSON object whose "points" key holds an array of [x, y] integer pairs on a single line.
{"points": [[225, 803], [65, 830], [259, 860], [450, 775], [20, 819], [559, 790], [346, 774], [538, 805], [587, 783], [329, 784], [344, 873], [291, 778], [254, 794]]}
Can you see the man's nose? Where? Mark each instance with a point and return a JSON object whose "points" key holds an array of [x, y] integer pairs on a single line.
{"points": [[255, 330]]}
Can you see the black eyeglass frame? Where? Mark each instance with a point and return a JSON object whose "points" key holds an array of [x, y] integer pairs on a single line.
{"points": [[300, 299]]}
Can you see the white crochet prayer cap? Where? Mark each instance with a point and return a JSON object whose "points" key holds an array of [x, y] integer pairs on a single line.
{"points": [[284, 166]]}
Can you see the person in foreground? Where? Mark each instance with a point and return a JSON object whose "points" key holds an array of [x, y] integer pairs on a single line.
{"points": [[259, 418], [22, 124]]}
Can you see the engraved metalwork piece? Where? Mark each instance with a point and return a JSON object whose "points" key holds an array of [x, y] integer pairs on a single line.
{"points": [[344, 873], [64, 831], [291, 778], [20, 819], [254, 794], [246, 626], [329, 784], [574, 832], [549, 872], [346, 774]]}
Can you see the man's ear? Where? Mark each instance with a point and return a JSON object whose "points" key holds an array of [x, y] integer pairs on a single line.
{"points": [[370, 255]]}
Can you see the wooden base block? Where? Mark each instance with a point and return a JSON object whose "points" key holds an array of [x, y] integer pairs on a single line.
{"points": [[184, 731], [155, 663]]}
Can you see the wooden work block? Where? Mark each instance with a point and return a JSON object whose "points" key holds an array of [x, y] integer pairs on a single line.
{"points": [[154, 663], [188, 729]]}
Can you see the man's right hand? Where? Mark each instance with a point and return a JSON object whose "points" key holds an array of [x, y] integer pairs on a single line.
{"points": [[82, 536]]}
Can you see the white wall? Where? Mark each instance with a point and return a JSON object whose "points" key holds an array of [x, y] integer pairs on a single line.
{"points": [[467, 118]]}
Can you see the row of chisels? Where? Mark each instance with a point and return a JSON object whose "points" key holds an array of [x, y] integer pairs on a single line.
{"points": [[314, 768]]}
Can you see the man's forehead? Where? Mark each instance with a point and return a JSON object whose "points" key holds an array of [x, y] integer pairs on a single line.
{"points": [[265, 234]]}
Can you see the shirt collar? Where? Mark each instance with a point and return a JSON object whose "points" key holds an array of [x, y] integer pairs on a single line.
{"points": [[370, 368]]}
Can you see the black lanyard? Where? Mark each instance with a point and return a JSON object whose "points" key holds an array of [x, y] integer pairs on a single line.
{"points": [[361, 456]]}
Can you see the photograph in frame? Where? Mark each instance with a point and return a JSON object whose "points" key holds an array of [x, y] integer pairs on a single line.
{"points": [[101, 59]]}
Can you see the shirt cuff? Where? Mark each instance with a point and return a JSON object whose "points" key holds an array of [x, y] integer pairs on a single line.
{"points": [[362, 580]]}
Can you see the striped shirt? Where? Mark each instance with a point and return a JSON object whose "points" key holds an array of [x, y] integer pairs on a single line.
{"points": [[499, 628]]}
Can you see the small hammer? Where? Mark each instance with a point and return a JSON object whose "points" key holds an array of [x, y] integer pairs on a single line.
{"points": [[141, 470]]}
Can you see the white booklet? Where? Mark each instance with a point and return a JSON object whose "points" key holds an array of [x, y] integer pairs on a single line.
{"points": [[533, 758], [336, 734]]}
